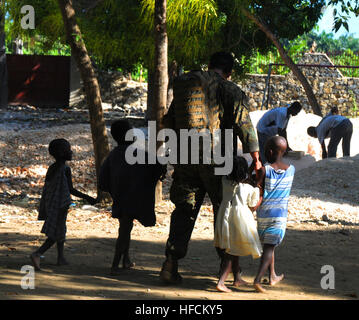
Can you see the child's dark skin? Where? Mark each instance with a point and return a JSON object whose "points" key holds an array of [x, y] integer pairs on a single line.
{"points": [[123, 246], [229, 262], [35, 257], [275, 150]]}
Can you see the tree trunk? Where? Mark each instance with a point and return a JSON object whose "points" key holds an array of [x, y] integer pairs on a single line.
{"points": [[92, 90], [289, 62], [161, 72], [150, 92], [3, 67], [172, 73]]}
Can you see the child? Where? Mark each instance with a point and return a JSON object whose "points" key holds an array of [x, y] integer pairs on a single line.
{"points": [[239, 198], [55, 201], [132, 188], [277, 178]]}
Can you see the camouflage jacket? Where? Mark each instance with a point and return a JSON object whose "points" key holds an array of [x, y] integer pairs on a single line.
{"points": [[225, 102]]}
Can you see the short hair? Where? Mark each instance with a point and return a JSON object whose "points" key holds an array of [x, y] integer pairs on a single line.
{"points": [[222, 60], [119, 129], [312, 131], [334, 110], [239, 170], [296, 106], [57, 147]]}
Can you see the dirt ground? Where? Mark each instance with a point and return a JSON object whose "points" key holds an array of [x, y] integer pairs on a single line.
{"points": [[323, 229]]}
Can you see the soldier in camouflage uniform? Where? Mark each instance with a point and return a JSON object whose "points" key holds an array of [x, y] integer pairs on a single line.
{"points": [[203, 100]]}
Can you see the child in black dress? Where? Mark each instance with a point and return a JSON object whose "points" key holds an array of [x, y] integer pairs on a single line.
{"points": [[132, 188], [55, 201]]}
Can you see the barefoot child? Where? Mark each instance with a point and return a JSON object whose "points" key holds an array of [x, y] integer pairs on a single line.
{"points": [[239, 198], [132, 188], [55, 201], [277, 178]]}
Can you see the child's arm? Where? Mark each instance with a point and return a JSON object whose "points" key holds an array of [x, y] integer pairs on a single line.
{"points": [[258, 204], [75, 192], [260, 185]]}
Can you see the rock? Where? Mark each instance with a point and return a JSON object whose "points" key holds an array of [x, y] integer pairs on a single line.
{"points": [[89, 208], [344, 232], [106, 106]]}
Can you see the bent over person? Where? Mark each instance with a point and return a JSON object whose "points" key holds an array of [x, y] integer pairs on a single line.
{"points": [[274, 122], [202, 100], [336, 127]]}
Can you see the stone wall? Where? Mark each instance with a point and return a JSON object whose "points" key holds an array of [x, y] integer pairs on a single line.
{"points": [[329, 86]]}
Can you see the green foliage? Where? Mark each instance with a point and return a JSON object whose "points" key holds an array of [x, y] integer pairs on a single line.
{"points": [[115, 35], [48, 36], [355, 110], [139, 73], [342, 9], [342, 51], [119, 34], [290, 18], [326, 42], [191, 25]]}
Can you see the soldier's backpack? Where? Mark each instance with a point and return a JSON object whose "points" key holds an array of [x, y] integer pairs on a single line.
{"points": [[195, 101]]}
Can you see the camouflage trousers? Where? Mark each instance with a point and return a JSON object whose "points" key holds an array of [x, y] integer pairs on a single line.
{"points": [[189, 187]]}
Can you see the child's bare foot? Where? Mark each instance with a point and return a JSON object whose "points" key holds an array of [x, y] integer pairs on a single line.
{"points": [[62, 262], [259, 288], [240, 282], [274, 280], [35, 259], [222, 288], [116, 271]]}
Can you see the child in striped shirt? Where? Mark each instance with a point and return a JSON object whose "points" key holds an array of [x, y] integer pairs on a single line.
{"points": [[276, 180]]}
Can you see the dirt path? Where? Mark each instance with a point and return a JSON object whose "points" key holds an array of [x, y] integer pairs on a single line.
{"points": [[89, 248], [323, 229]]}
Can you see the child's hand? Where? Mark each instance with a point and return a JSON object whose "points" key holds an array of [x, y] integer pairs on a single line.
{"points": [[163, 172]]}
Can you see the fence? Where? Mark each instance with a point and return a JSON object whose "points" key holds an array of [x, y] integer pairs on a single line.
{"points": [[260, 63]]}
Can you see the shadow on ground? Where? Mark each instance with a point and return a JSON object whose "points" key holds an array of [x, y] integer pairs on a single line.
{"points": [[301, 257]]}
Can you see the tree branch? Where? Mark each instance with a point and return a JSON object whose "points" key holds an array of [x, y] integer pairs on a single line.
{"points": [[287, 60]]}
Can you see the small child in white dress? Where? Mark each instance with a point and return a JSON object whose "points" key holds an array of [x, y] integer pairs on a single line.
{"points": [[236, 228]]}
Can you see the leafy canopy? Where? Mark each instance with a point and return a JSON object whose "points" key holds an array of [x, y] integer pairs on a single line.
{"points": [[120, 33], [342, 10]]}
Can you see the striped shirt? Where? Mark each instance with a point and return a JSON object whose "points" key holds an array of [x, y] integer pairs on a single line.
{"points": [[273, 211], [276, 192]]}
